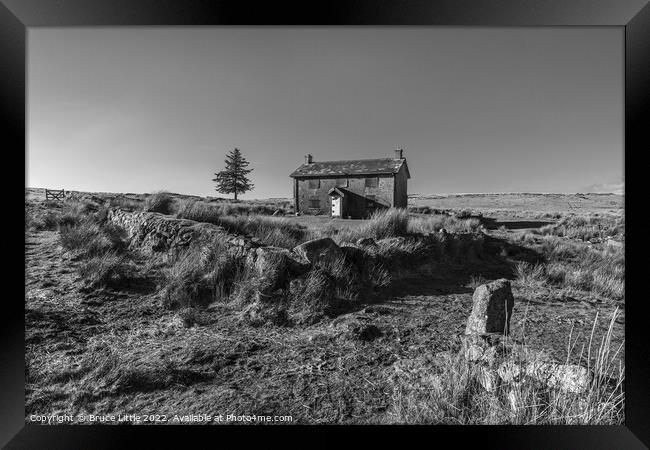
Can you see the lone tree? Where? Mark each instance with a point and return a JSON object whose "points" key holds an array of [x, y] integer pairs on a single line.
{"points": [[233, 179]]}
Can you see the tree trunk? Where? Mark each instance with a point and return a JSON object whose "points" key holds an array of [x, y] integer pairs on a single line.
{"points": [[235, 195]]}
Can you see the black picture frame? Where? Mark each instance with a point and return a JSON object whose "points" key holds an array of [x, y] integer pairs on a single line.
{"points": [[16, 16]]}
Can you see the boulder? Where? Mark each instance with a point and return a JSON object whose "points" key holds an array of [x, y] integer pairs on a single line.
{"points": [[354, 255], [267, 259], [492, 308], [276, 265], [567, 377], [570, 377], [366, 242], [319, 250]]}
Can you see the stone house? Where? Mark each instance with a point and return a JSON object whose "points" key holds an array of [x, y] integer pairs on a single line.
{"points": [[350, 189]]}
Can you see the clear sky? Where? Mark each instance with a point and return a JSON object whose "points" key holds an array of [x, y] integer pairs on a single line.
{"points": [[475, 109]]}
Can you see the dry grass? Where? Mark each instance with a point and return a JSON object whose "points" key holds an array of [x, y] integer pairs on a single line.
{"points": [[396, 222], [221, 208], [272, 231], [126, 203], [200, 275], [575, 266], [588, 228], [107, 269], [84, 232], [89, 238], [435, 223], [159, 202], [385, 224]]}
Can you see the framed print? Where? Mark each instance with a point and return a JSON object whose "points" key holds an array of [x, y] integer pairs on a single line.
{"points": [[372, 215]]}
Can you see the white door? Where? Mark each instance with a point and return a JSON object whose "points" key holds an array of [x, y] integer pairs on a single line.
{"points": [[336, 206]]}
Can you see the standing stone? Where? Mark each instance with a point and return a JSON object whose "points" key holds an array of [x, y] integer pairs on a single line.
{"points": [[492, 308]]}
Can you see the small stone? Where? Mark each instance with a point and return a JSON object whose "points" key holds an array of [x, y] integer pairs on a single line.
{"points": [[487, 378]]}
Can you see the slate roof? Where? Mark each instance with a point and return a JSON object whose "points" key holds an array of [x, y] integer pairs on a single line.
{"points": [[380, 166]]}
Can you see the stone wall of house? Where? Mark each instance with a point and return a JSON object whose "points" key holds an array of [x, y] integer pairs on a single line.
{"points": [[383, 194], [401, 190]]}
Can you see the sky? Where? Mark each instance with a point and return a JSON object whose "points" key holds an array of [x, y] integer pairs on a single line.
{"points": [[143, 109]]}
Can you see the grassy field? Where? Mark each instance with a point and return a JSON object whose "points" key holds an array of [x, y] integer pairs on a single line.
{"points": [[113, 330]]}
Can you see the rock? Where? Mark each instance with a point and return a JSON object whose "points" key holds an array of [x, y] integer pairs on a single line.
{"points": [[276, 258], [487, 378], [492, 308], [259, 313], [366, 242], [354, 255], [368, 332], [319, 250], [357, 328], [275, 266], [570, 377], [614, 244], [567, 377]]}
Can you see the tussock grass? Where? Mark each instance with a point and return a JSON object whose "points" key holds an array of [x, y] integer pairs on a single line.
{"points": [[84, 232], [396, 222], [159, 202], [53, 215], [90, 239], [273, 231], [587, 228], [435, 223], [575, 266], [385, 224], [200, 275], [107, 269], [221, 208], [126, 203], [453, 391]]}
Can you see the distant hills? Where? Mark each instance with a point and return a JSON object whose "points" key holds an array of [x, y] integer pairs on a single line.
{"points": [[602, 188]]}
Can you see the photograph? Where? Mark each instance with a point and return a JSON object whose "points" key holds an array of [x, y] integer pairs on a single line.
{"points": [[317, 225]]}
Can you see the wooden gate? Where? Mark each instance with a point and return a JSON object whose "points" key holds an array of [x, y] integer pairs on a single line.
{"points": [[53, 194]]}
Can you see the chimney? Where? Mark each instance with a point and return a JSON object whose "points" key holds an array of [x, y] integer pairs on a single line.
{"points": [[308, 159], [398, 153]]}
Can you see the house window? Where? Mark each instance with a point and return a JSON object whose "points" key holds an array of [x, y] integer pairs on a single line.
{"points": [[342, 182], [314, 203], [314, 183], [372, 182]]}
